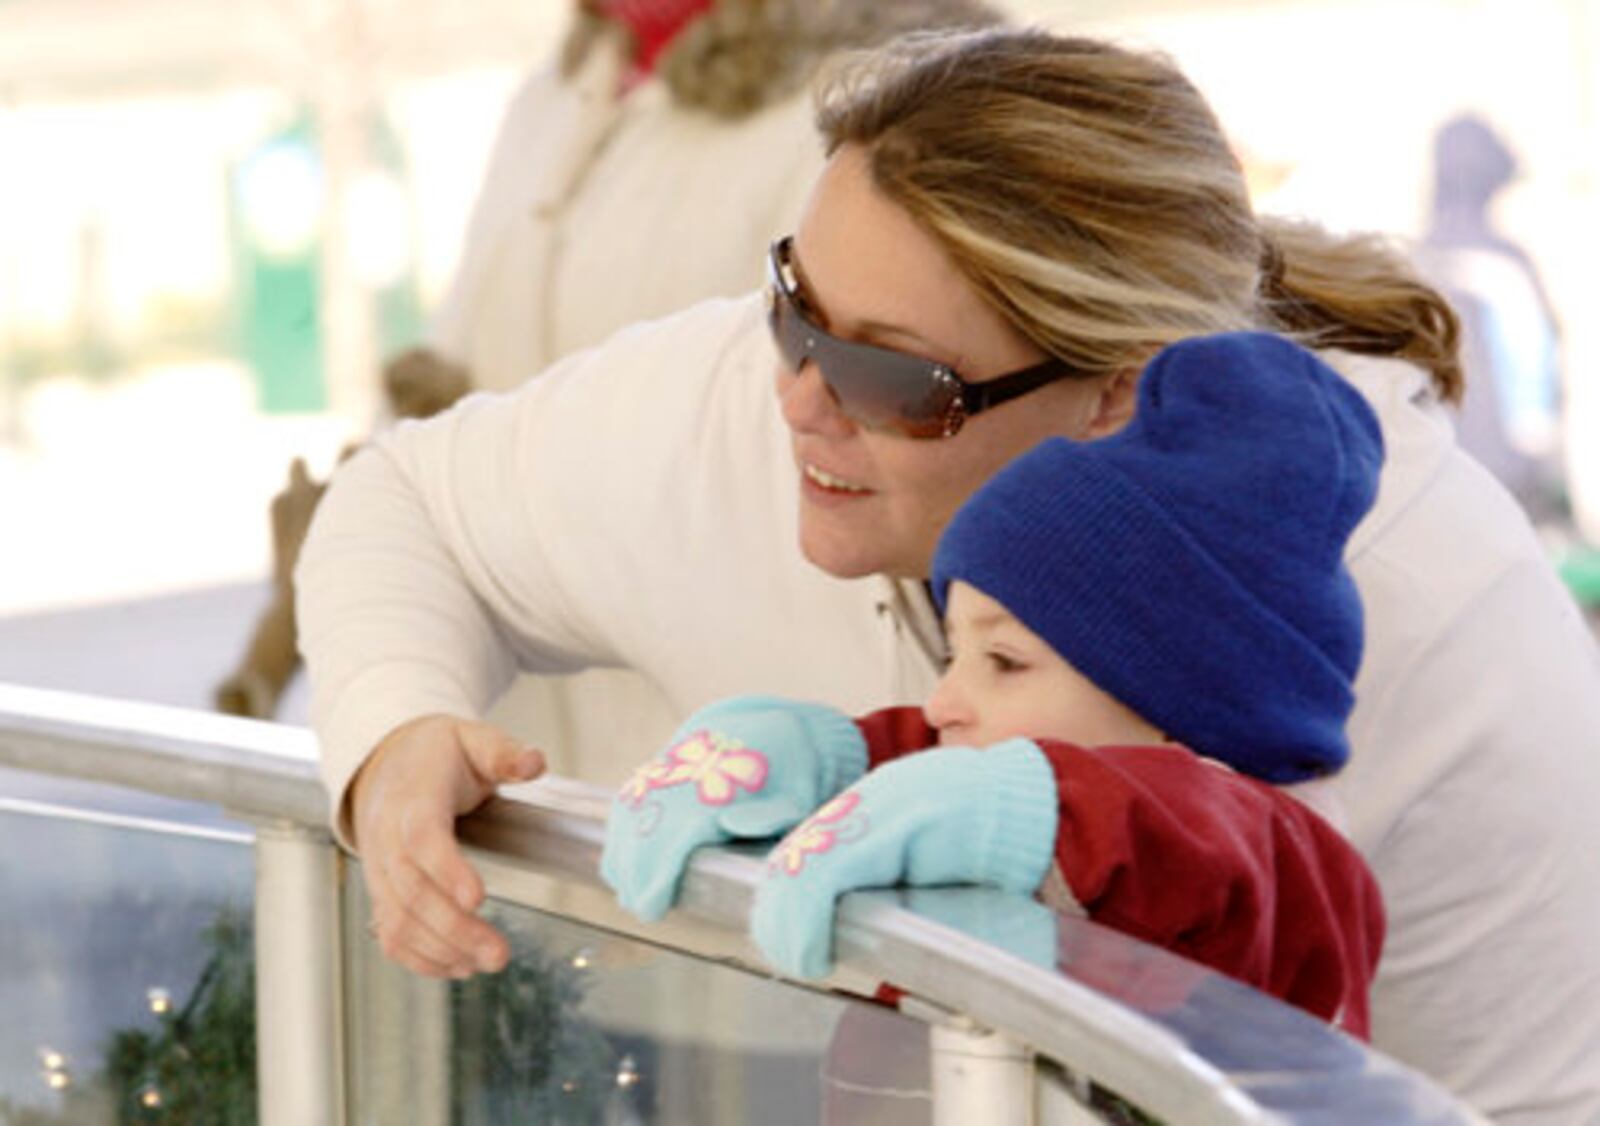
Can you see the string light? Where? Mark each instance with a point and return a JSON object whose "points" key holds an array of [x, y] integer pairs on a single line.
{"points": [[627, 1073], [150, 1097], [56, 1076], [583, 959], [160, 1000]]}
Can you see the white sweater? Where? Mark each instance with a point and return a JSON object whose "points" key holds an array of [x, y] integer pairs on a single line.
{"points": [[637, 506]]}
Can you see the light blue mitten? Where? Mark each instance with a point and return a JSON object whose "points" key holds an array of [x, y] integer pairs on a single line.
{"points": [[950, 816], [1016, 923], [749, 767]]}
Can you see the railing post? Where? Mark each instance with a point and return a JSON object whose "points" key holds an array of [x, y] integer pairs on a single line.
{"points": [[980, 1076], [398, 1024], [299, 1048]]}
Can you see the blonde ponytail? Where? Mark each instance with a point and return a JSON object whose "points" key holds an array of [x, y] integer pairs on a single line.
{"points": [[1359, 294]]}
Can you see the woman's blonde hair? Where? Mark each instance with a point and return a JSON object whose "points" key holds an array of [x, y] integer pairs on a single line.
{"points": [[1089, 194]]}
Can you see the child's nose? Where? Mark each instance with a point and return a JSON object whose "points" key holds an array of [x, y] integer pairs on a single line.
{"points": [[945, 709]]}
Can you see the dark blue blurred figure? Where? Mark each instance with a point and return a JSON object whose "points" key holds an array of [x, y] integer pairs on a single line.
{"points": [[1510, 420]]}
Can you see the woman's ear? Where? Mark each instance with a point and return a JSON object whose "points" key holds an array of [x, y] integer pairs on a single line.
{"points": [[1113, 405]]}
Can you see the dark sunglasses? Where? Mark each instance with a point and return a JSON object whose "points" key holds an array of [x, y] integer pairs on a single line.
{"points": [[879, 387]]}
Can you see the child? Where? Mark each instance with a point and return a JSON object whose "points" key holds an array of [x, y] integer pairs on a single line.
{"points": [[1145, 631]]}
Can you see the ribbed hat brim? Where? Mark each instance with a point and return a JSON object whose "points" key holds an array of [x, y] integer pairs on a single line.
{"points": [[1130, 599]]}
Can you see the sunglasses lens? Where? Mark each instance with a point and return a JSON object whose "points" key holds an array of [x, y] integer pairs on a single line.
{"points": [[876, 387], [890, 391]]}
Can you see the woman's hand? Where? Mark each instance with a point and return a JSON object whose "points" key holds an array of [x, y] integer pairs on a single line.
{"points": [[403, 804]]}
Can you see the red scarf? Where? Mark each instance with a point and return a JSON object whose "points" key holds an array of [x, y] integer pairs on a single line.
{"points": [[654, 23]]}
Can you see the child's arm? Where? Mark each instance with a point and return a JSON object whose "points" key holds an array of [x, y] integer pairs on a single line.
{"points": [[947, 815], [1153, 841], [1221, 868]]}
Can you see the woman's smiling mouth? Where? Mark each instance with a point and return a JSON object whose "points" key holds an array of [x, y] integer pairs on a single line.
{"points": [[825, 480]]}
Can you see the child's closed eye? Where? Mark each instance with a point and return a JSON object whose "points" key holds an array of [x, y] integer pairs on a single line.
{"points": [[1003, 662]]}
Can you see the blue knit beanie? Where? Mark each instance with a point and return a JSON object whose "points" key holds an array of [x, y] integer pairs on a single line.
{"points": [[1191, 565]]}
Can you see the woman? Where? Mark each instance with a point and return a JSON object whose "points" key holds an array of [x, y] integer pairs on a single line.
{"points": [[993, 203]]}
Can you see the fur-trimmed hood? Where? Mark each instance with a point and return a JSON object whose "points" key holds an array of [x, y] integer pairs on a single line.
{"points": [[745, 54]]}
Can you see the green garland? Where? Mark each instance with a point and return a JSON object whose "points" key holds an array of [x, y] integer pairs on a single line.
{"points": [[199, 1064], [521, 1050]]}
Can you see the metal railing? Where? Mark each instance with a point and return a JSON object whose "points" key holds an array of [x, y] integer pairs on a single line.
{"points": [[1173, 1039]]}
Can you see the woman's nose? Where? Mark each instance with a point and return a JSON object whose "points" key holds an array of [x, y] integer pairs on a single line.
{"points": [[808, 403]]}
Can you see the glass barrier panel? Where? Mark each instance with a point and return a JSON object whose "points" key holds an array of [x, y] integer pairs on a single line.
{"points": [[1285, 1059], [126, 969], [590, 1026]]}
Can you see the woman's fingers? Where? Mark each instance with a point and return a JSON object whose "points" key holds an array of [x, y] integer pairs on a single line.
{"points": [[405, 801], [495, 759], [417, 924], [442, 894], [402, 941], [424, 923]]}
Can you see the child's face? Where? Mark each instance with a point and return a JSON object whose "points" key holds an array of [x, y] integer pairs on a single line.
{"points": [[1004, 681]]}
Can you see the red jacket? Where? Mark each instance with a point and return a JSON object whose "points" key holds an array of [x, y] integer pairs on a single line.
{"points": [[1226, 870]]}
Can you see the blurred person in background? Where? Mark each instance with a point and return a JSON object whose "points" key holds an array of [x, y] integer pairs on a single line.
{"points": [[641, 170], [1510, 418], [1008, 226]]}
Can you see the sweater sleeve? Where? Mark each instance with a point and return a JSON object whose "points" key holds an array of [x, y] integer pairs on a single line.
{"points": [[894, 733], [1220, 868], [513, 531]]}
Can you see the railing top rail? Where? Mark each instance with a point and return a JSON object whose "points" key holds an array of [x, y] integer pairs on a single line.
{"points": [[1178, 1040], [257, 769]]}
